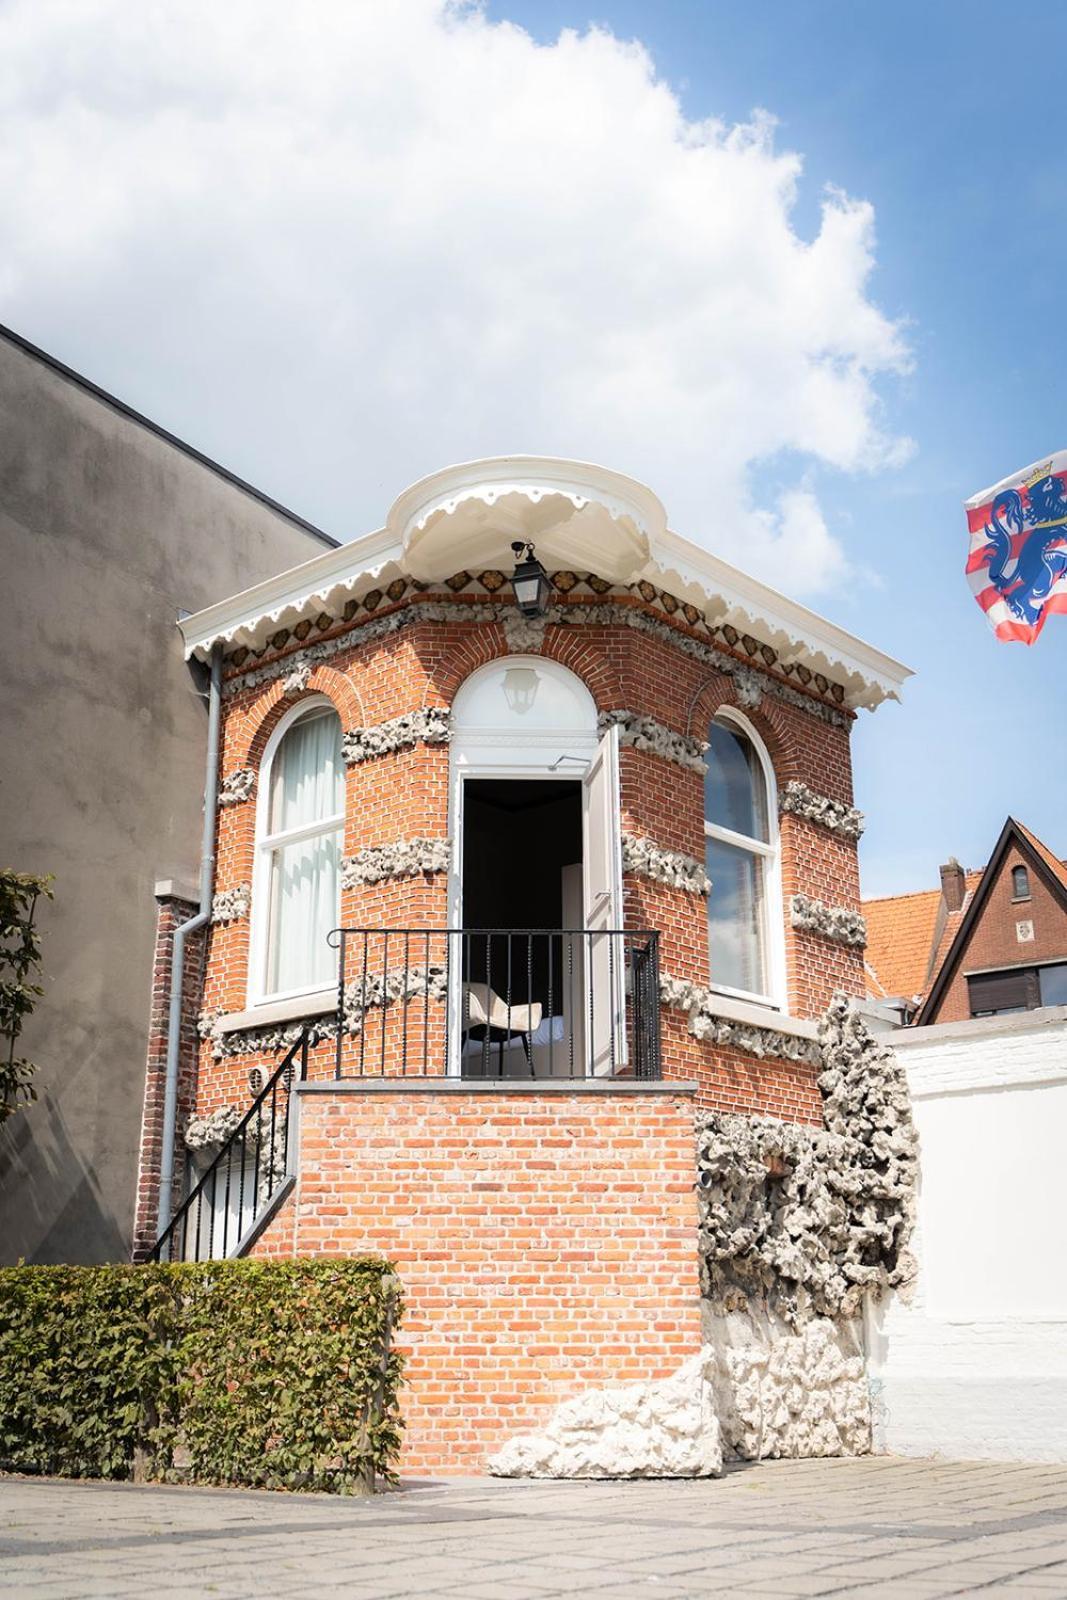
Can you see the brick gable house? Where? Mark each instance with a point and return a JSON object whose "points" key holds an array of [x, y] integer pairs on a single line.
{"points": [[988, 942], [499, 899]]}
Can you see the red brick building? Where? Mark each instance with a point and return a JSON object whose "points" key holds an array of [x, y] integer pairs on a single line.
{"points": [[596, 865], [989, 941]]}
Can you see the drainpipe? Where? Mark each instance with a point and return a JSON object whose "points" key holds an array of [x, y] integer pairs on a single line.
{"points": [[182, 932]]}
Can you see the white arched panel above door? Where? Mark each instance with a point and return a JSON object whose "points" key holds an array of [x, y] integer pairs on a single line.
{"points": [[522, 711]]}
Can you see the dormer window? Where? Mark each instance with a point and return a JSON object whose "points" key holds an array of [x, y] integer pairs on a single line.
{"points": [[741, 832], [1020, 883]]}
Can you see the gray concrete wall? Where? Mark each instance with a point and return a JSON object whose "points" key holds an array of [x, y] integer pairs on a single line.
{"points": [[106, 530]]}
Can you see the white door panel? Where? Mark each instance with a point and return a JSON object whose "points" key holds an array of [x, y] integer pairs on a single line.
{"points": [[602, 886]]}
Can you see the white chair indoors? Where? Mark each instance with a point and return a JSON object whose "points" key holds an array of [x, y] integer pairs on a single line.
{"points": [[500, 1023]]}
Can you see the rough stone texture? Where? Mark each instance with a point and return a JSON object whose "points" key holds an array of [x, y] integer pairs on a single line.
{"points": [[237, 787], [706, 1024], [796, 797], [231, 905], [782, 1393], [672, 867], [664, 1429], [407, 858], [212, 1131], [296, 678], [749, 686], [831, 922], [269, 1042], [647, 733], [806, 1221], [406, 983], [431, 725], [524, 635]]}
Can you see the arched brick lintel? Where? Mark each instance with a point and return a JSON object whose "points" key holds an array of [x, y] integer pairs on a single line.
{"points": [[565, 646], [769, 719], [276, 700]]}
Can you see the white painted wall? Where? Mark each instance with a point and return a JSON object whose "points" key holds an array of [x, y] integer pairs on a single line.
{"points": [[976, 1365]]}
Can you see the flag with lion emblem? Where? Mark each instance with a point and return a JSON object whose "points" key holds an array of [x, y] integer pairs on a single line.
{"points": [[1017, 562]]}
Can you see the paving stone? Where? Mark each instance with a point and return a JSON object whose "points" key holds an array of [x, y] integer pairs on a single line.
{"points": [[903, 1530]]}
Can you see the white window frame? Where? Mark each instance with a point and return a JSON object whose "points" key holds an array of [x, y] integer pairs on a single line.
{"points": [[265, 845], [770, 852]]}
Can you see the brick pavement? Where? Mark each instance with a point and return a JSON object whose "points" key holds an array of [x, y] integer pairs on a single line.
{"points": [[875, 1526]]}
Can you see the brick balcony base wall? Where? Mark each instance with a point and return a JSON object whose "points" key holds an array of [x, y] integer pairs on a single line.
{"points": [[546, 1239]]}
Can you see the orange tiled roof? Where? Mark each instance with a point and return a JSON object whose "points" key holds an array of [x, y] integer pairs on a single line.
{"points": [[1055, 866], [900, 932], [900, 938]]}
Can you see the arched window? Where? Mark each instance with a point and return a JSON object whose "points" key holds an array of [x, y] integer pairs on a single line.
{"points": [[741, 828], [300, 823], [1020, 883]]}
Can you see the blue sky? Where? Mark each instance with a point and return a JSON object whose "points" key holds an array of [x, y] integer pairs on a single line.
{"points": [[339, 245], [949, 118]]}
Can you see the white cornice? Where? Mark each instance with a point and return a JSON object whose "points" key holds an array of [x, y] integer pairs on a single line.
{"points": [[581, 517], [242, 618]]}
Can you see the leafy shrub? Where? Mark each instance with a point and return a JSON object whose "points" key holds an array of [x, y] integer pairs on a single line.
{"points": [[20, 960], [270, 1374]]}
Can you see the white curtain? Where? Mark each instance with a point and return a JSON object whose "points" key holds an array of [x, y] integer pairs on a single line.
{"points": [[307, 778], [307, 786]]}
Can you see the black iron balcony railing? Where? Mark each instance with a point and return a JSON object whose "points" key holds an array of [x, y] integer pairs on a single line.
{"points": [[497, 1002]]}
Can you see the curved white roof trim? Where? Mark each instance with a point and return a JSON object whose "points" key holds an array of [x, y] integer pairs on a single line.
{"points": [[580, 517], [577, 514]]}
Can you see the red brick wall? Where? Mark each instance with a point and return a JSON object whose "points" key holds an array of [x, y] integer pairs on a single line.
{"points": [[993, 941], [546, 1241], [404, 795], [169, 915]]}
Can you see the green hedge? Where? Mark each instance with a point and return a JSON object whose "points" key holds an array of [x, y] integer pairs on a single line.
{"points": [[268, 1374]]}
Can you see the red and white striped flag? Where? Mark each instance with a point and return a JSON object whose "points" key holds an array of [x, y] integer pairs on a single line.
{"points": [[1017, 562]]}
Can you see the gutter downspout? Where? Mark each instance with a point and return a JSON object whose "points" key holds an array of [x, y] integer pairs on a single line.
{"points": [[182, 932]]}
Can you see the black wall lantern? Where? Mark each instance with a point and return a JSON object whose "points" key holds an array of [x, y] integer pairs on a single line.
{"points": [[530, 581]]}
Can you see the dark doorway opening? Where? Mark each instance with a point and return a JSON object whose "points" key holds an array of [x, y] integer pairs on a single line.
{"points": [[522, 879]]}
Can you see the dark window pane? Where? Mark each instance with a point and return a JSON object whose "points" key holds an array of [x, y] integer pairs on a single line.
{"points": [[1020, 883], [1053, 981], [735, 918], [735, 795], [992, 993]]}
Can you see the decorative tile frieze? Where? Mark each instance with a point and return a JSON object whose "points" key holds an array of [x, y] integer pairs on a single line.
{"points": [[672, 867], [407, 858], [837, 818], [237, 787], [431, 725], [705, 1023], [526, 636], [646, 733], [830, 922], [232, 905]]}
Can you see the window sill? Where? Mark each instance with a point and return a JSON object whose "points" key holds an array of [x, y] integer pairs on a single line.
{"points": [[758, 1016], [316, 1003]]}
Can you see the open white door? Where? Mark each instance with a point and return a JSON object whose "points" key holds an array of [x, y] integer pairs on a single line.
{"points": [[605, 1014]]}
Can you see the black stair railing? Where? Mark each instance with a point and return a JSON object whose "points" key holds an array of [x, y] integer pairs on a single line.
{"points": [[244, 1175]]}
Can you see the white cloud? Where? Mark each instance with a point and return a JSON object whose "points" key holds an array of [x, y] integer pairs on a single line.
{"points": [[341, 243]]}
